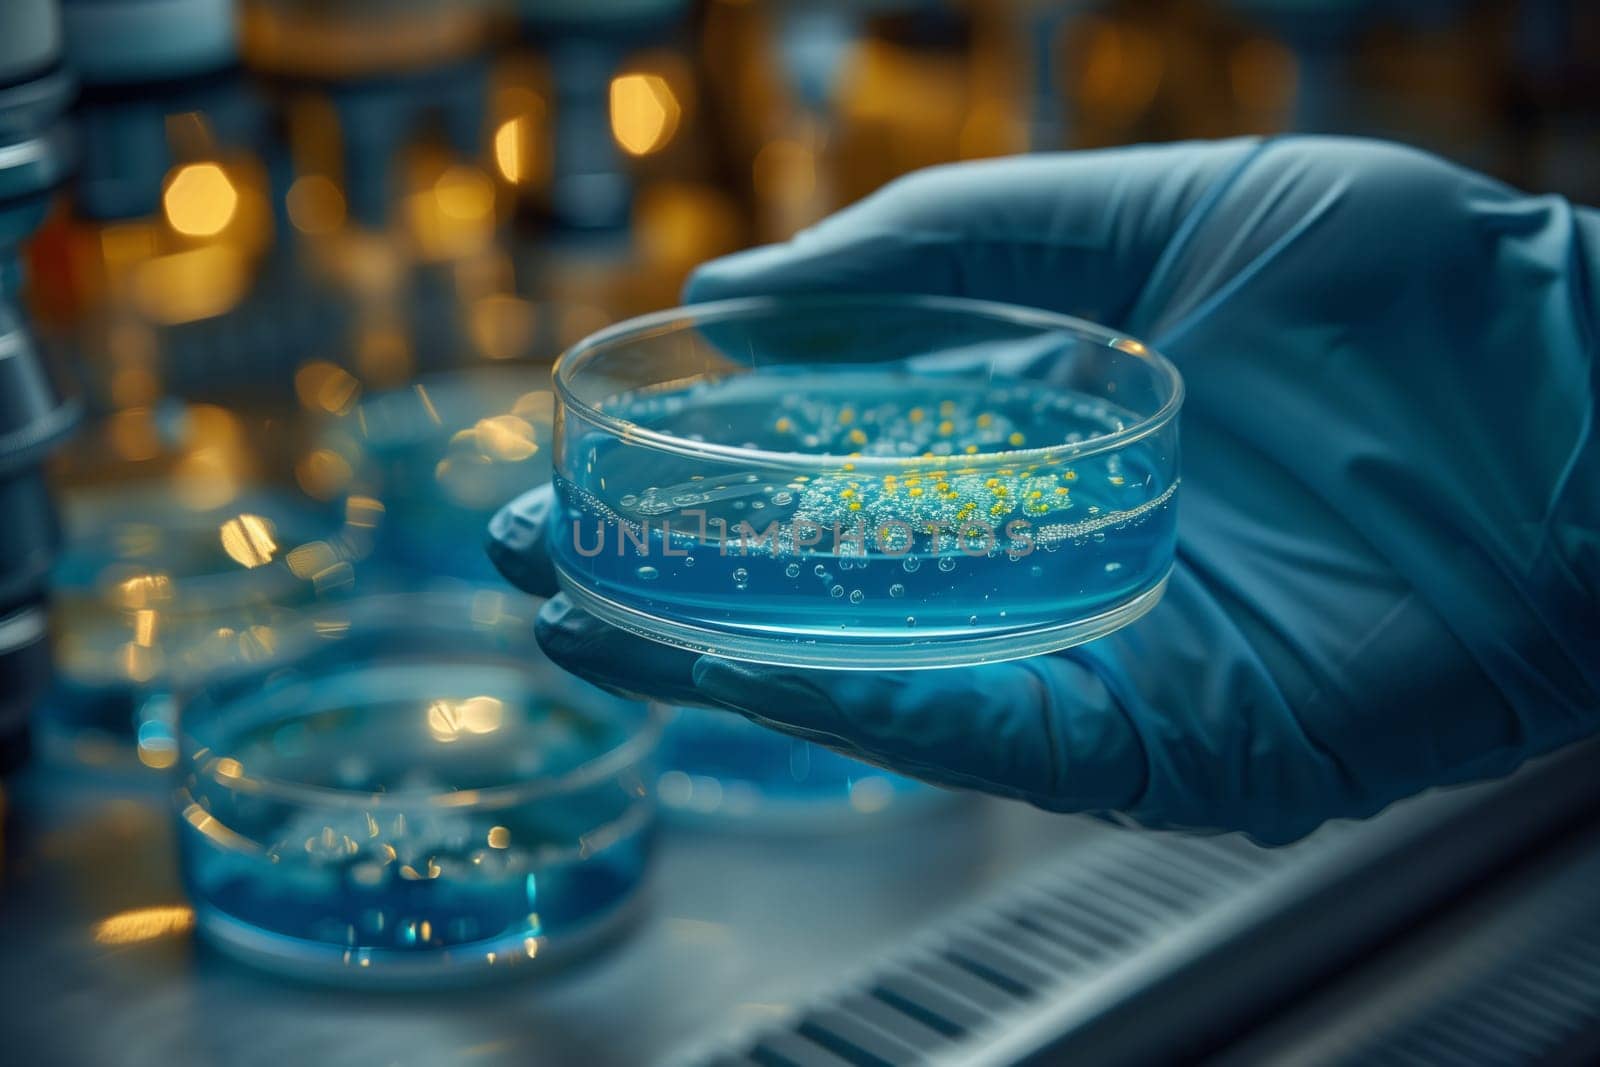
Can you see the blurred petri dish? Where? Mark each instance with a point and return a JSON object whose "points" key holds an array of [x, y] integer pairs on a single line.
{"points": [[421, 800], [151, 593], [722, 771], [865, 482], [442, 455]]}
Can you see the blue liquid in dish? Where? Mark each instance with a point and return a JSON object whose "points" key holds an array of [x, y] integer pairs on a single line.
{"points": [[958, 543], [402, 818]]}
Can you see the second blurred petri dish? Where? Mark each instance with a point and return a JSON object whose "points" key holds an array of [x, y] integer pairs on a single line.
{"points": [[421, 801], [442, 455], [865, 482], [151, 592]]}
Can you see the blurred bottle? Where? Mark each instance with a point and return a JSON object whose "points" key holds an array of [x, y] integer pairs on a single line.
{"points": [[600, 115]]}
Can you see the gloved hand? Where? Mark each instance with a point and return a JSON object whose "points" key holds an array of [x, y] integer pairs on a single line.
{"points": [[1388, 569]]}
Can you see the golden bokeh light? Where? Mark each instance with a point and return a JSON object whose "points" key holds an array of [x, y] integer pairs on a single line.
{"points": [[206, 478], [506, 438], [449, 720], [682, 223], [144, 924], [144, 627], [326, 386], [198, 283], [133, 434], [481, 714], [323, 473], [502, 326], [248, 540], [142, 590], [157, 753], [454, 215], [316, 206], [138, 663], [516, 149], [644, 112], [307, 560], [200, 199], [464, 193], [363, 512], [126, 243]]}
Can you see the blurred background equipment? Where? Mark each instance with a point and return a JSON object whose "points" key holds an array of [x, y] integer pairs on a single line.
{"points": [[303, 267], [35, 153]]}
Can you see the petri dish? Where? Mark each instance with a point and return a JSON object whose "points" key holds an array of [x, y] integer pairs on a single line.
{"points": [[865, 482], [723, 771], [150, 592], [422, 800]]}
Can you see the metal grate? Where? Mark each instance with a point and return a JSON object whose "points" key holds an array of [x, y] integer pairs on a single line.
{"points": [[1517, 981], [992, 967], [1142, 947]]}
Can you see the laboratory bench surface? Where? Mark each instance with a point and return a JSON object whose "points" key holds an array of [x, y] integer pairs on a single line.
{"points": [[733, 930], [1091, 943]]}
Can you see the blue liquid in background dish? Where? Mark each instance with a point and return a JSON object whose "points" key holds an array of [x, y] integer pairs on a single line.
{"points": [[419, 869], [1102, 527]]}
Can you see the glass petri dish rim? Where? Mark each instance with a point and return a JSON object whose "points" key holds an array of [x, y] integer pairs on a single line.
{"points": [[918, 653], [572, 361], [631, 752]]}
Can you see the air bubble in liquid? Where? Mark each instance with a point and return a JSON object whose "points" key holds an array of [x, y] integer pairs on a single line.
{"points": [[947, 563], [857, 596], [792, 570], [911, 563], [647, 574], [741, 578], [897, 590], [836, 591]]}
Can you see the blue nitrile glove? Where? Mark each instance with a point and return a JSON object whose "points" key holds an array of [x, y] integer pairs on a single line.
{"points": [[1388, 568]]}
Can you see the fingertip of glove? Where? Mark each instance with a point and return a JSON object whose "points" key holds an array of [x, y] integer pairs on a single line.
{"points": [[790, 267], [562, 627], [515, 543], [729, 276]]}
